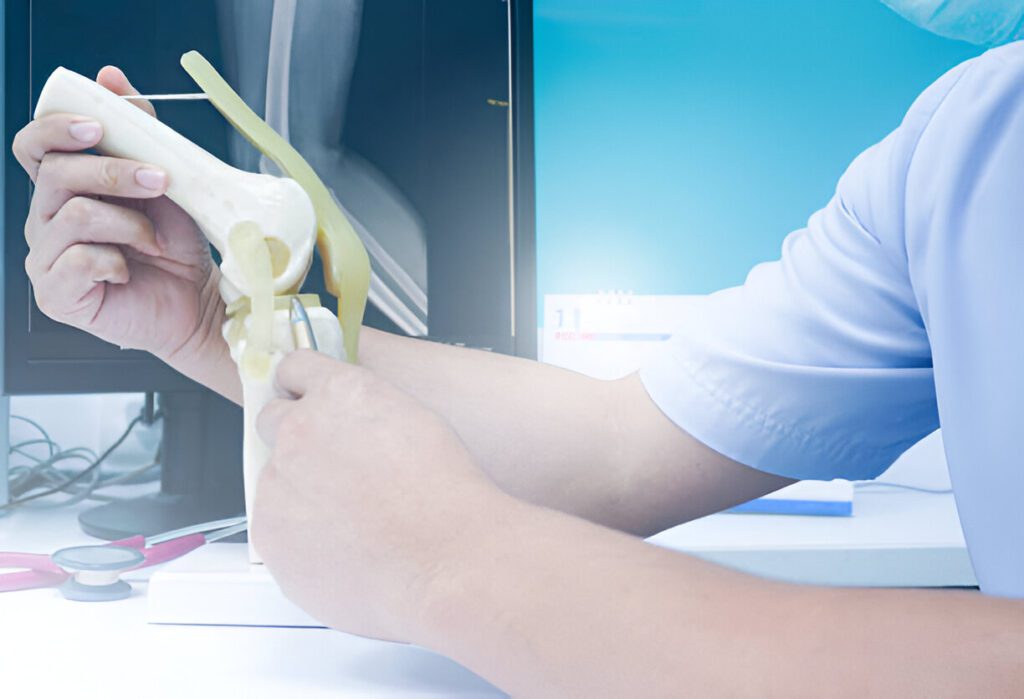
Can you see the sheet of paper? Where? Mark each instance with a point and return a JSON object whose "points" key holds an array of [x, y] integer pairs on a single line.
{"points": [[606, 335]]}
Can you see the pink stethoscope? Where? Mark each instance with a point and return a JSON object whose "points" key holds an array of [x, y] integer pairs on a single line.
{"points": [[92, 573]]}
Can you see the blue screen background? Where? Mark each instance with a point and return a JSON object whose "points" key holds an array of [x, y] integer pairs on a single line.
{"points": [[679, 141]]}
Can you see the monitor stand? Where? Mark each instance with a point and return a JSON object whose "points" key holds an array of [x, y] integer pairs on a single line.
{"points": [[201, 471]]}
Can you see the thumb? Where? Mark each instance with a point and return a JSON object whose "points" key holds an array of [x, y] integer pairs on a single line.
{"points": [[114, 79], [302, 370]]}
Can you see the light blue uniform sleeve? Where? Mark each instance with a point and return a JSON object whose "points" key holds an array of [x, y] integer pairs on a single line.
{"points": [[900, 305]]}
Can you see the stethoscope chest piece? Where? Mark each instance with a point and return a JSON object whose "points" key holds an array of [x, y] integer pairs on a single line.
{"points": [[96, 570]]}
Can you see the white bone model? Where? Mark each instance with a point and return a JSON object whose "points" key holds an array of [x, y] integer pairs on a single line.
{"points": [[264, 228]]}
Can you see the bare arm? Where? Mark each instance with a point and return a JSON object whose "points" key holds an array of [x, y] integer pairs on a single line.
{"points": [[547, 605], [601, 450]]}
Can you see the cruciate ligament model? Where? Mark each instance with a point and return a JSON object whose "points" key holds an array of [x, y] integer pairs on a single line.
{"points": [[263, 227]]}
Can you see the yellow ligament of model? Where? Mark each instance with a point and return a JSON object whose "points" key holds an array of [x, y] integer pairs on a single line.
{"points": [[346, 264], [253, 257]]}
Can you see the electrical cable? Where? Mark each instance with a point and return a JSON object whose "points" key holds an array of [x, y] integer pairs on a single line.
{"points": [[22, 477], [54, 449], [43, 468], [902, 486], [88, 470], [62, 486], [45, 473], [33, 423]]}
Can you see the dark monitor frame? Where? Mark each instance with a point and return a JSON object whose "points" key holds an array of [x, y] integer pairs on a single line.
{"points": [[41, 356], [523, 185]]}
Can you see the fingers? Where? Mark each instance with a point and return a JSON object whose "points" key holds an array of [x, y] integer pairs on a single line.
{"points": [[61, 176], [300, 371], [91, 264], [69, 132], [53, 133], [268, 422], [84, 220], [66, 291], [114, 79]]}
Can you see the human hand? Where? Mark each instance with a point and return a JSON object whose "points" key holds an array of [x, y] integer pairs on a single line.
{"points": [[108, 252], [368, 501]]}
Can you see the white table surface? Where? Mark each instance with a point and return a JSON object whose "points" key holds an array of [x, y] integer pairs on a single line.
{"points": [[49, 646], [896, 538], [52, 647]]}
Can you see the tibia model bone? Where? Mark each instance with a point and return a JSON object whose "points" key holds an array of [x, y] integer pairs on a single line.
{"points": [[257, 392], [216, 195]]}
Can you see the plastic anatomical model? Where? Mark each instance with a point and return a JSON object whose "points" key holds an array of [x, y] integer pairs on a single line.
{"points": [[263, 227]]}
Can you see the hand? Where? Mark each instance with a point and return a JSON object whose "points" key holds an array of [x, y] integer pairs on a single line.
{"points": [[369, 498], [108, 253]]}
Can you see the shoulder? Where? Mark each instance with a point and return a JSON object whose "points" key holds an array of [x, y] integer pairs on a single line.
{"points": [[1002, 58], [978, 95], [967, 157]]}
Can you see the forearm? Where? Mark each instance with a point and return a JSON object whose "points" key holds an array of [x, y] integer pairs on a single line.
{"points": [[544, 604], [598, 449]]}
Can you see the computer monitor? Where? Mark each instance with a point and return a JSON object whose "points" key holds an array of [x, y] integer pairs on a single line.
{"points": [[424, 140]]}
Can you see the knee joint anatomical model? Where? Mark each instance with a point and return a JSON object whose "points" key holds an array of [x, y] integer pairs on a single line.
{"points": [[263, 227]]}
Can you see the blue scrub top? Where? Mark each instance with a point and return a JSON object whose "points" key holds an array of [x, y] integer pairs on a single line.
{"points": [[898, 308]]}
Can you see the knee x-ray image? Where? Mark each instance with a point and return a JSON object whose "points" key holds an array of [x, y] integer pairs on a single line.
{"points": [[293, 62]]}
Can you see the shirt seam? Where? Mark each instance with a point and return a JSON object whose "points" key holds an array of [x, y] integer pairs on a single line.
{"points": [[760, 421], [913, 153]]}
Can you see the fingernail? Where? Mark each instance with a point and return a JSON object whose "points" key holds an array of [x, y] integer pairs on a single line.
{"points": [[85, 131], [151, 179]]}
